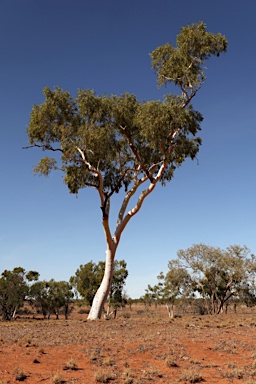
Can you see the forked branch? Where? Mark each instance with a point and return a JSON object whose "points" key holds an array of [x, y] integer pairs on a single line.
{"points": [[140, 200]]}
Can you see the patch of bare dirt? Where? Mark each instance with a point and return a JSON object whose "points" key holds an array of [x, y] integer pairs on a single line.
{"points": [[135, 348]]}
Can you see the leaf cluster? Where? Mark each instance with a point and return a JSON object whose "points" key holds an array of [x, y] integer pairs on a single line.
{"points": [[184, 64], [88, 277]]}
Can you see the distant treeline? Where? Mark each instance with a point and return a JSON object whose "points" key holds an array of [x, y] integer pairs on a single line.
{"points": [[208, 277], [18, 287]]}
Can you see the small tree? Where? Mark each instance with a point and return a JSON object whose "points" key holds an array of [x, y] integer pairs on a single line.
{"points": [[60, 296], [39, 297], [154, 294], [51, 297], [88, 278], [111, 143], [116, 297], [218, 275], [13, 290], [66, 291], [176, 284]]}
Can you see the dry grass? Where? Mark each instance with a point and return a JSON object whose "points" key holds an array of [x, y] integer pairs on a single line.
{"points": [[171, 363], [104, 376], [71, 364], [136, 349], [57, 378], [192, 376], [19, 375]]}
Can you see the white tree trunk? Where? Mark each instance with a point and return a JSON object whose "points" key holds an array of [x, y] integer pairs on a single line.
{"points": [[170, 311], [104, 288], [112, 242]]}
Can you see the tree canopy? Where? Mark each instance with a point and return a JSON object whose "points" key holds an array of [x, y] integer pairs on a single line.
{"points": [[109, 142], [219, 275], [212, 273], [13, 290]]}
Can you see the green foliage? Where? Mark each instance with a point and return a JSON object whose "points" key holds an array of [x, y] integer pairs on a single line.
{"points": [[116, 297], [38, 296], [13, 290], [175, 284], [214, 274], [218, 274], [247, 294], [60, 296], [51, 297], [88, 277], [120, 137], [184, 64]]}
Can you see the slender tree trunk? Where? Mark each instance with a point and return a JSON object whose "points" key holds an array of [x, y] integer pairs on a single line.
{"points": [[170, 309], [221, 306], [14, 313], [103, 291], [213, 303], [66, 311]]}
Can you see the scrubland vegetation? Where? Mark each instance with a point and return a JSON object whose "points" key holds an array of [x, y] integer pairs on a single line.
{"points": [[141, 345]]}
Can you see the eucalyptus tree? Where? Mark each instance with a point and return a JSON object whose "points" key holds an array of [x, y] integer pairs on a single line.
{"points": [[114, 142], [39, 297], [87, 280], [60, 296], [14, 288], [154, 294], [218, 275], [51, 297], [176, 284]]}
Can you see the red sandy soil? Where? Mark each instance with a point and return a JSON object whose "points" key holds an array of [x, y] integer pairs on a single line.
{"points": [[138, 347]]}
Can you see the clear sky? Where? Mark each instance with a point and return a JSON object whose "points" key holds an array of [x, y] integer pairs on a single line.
{"points": [[104, 45]]}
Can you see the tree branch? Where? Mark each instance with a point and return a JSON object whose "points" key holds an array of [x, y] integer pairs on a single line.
{"points": [[98, 174], [134, 151], [126, 200], [45, 147], [140, 200], [132, 191]]}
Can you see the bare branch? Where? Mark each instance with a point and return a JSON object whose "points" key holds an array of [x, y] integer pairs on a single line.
{"points": [[126, 200], [140, 200], [132, 191], [193, 93], [45, 147], [96, 173]]}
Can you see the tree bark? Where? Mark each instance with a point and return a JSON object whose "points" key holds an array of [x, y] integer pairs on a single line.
{"points": [[104, 288], [112, 242]]}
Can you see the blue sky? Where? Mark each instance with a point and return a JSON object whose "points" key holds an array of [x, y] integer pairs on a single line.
{"points": [[105, 46]]}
